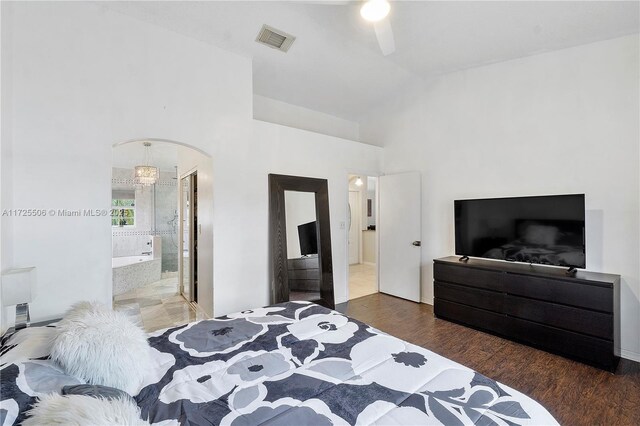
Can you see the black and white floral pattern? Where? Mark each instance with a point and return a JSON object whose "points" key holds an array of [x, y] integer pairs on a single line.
{"points": [[295, 364]]}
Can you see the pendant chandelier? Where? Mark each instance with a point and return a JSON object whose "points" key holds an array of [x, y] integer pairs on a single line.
{"points": [[147, 174]]}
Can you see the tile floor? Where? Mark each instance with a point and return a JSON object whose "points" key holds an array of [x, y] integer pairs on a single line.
{"points": [[157, 305], [362, 280]]}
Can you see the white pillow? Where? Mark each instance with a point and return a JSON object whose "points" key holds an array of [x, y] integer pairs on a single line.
{"points": [[54, 409], [101, 346]]}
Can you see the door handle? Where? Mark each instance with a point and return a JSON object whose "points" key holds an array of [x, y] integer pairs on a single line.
{"points": [[417, 243]]}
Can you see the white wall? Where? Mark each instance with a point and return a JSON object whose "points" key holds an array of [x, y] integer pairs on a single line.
{"points": [[369, 254], [560, 122], [84, 78], [278, 112], [6, 233], [299, 208], [285, 150]]}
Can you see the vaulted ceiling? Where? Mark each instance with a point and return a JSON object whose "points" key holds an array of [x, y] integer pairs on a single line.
{"points": [[335, 65]]}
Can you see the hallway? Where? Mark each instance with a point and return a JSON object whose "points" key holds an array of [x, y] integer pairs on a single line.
{"points": [[362, 280]]}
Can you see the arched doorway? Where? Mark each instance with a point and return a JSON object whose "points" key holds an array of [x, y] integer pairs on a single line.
{"points": [[161, 232]]}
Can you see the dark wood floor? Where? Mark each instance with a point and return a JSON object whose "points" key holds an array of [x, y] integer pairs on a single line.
{"points": [[576, 394]]}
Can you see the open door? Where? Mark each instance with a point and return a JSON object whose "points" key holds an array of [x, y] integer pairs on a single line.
{"points": [[188, 261], [399, 218]]}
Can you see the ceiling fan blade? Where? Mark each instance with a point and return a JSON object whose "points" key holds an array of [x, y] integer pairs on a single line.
{"points": [[384, 34]]}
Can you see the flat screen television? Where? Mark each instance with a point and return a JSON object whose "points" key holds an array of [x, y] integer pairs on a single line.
{"points": [[545, 229], [308, 238]]}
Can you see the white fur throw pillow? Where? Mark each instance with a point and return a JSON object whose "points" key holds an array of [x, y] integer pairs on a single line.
{"points": [[54, 409], [101, 347]]}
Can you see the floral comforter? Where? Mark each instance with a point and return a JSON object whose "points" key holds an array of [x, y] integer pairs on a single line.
{"points": [[294, 364], [301, 364]]}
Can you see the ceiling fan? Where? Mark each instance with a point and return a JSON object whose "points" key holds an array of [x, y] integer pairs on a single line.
{"points": [[376, 12]]}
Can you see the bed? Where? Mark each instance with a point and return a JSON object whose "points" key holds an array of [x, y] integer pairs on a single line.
{"points": [[292, 364]]}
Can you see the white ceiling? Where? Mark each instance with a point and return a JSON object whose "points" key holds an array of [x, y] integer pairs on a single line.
{"points": [[335, 65], [163, 155]]}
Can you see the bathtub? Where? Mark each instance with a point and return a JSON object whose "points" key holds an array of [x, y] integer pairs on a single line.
{"points": [[117, 262], [131, 272]]}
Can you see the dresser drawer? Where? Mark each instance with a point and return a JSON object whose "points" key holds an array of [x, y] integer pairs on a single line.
{"points": [[304, 285], [304, 274], [574, 345], [485, 299], [304, 263], [562, 292], [584, 321], [480, 278], [473, 317]]}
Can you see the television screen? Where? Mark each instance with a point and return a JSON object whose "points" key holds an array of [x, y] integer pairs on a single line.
{"points": [[547, 229], [308, 238]]}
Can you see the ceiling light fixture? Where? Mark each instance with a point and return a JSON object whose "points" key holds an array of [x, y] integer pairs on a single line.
{"points": [[359, 182], [375, 10], [146, 174]]}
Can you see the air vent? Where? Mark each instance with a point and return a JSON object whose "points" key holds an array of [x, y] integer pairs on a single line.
{"points": [[276, 39]]}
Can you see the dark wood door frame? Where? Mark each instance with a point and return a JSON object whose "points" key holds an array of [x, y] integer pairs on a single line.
{"points": [[278, 184], [192, 220]]}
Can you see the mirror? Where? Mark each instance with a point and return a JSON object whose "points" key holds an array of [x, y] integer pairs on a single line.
{"points": [[189, 215], [302, 245], [301, 265], [185, 275]]}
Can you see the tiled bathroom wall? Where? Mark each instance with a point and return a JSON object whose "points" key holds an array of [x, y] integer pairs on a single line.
{"points": [[167, 225], [149, 220]]}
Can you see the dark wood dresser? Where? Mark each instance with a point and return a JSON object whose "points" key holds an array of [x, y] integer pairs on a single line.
{"points": [[575, 316], [304, 274]]}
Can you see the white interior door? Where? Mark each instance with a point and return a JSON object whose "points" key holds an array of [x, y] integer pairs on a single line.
{"points": [[399, 217], [354, 227]]}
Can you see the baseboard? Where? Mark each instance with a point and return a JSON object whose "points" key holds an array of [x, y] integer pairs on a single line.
{"points": [[630, 355], [428, 301], [369, 263]]}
